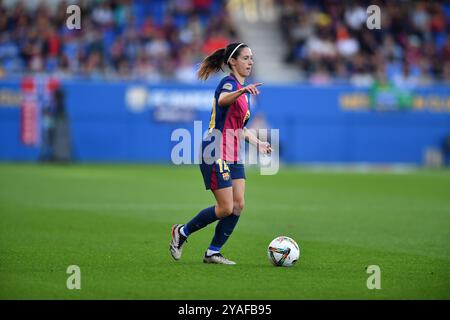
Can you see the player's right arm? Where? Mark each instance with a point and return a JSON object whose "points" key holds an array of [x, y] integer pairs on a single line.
{"points": [[227, 98]]}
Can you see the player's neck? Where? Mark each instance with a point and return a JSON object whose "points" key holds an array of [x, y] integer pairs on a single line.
{"points": [[239, 78]]}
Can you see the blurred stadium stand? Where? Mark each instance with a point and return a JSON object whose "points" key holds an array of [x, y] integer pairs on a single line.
{"points": [[122, 39], [325, 41], [329, 41], [257, 25]]}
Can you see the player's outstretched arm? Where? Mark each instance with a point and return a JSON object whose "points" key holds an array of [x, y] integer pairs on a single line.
{"points": [[227, 98]]}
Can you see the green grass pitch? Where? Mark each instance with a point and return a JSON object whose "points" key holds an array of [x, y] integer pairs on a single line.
{"points": [[113, 221]]}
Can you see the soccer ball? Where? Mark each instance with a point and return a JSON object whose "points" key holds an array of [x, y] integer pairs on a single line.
{"points": [[283, 252]]}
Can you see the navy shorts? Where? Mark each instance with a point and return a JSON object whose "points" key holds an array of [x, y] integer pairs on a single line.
{"points": [[220, 174]]}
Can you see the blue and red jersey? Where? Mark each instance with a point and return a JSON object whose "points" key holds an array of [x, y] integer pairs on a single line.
{"points": [[233, 117]]}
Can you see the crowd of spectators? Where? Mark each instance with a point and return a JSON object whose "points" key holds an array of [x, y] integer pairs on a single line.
{"points": [[330, 42], [127, 39], [327, 40]]}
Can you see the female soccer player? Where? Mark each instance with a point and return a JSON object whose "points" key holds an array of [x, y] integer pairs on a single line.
{"points": [[225, 175]]}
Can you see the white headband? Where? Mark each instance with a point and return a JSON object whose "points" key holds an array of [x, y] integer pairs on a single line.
{"points": [[234, 52]]}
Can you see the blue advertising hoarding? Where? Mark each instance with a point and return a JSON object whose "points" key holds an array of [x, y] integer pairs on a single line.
{"points": [[133, 122]]}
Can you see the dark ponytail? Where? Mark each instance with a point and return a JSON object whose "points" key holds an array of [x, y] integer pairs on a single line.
{"points": [[214, 62]]}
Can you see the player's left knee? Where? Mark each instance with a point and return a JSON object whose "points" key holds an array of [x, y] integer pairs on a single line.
{"points": [[238, 207]]}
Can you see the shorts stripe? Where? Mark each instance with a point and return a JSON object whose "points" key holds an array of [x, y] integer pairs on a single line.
{"points": [[213, 178]]}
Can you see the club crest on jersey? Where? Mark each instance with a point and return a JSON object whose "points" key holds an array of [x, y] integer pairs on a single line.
{"points": [[226, 176], [227, 86], [247, 116]]}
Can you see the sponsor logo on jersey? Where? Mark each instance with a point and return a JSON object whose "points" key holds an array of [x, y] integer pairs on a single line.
{"points": [[227, 86]]}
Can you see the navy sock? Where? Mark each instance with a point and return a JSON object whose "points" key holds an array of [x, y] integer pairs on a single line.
{"points": [[223, 230], [201, 220]]}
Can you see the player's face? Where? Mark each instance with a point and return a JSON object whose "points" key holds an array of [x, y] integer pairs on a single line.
{"points": [[244, 62]]}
